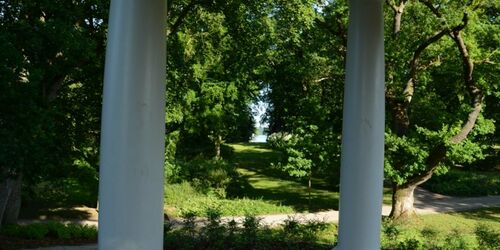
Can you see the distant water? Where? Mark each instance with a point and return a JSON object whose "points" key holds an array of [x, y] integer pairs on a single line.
{"points": [[259, 138]]}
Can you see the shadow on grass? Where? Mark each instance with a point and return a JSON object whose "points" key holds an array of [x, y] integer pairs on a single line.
{"points": [[491, 214], [59, 213], [258, 180], [258, 157], [287, 195]]}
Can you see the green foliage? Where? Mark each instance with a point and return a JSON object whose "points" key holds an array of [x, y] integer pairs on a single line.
{"points": [[182, 197], [465, 183], [307, 232], [51, 64], [487, 237], [54, 230], [206, 176], [248, 235], [306, 153], [456, 241]]}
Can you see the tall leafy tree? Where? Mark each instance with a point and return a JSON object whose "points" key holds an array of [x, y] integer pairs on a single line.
{"points": [[50, 85], [436, 84], [217, 53], [441, 64], [306, 87]]}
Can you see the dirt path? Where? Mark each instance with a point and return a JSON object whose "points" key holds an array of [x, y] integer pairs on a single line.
{"points": [[425, 203]]}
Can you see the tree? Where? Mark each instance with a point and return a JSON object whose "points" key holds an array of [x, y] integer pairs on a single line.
{"points": [[306, 87], [217, 54], [434, 92], [441, 59], [50, 85]]}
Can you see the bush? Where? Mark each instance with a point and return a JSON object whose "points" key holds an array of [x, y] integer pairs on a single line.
{"points": [[307, 232], [249, 235], [411, 244], [457, 241], [207, 176], [487, 237], [279, 140], [465, 183], [54, 230]]}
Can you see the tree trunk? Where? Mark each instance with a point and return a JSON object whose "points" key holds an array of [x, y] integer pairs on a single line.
{"points": [[10, 200], [402, 202], [5, 191], [218, 142], [309, 186]]}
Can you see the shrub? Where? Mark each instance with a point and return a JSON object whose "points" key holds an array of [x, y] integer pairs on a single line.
{"points": [[210, 176], [411, 244], [250, 229], [55, 230], [457, 241], [431, 238], [214, 230], [279, 140], [487, 237], [305, 233], [465, 183]]}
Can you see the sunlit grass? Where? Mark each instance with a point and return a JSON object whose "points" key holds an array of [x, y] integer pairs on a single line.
{"points": [[182, 198], [464, 222], [261, 189]]}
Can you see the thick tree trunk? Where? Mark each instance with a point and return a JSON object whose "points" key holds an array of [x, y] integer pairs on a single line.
{"points": [[402, 202], [5, 191], [10, 200]]}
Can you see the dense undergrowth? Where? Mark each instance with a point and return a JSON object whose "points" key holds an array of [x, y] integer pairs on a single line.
{"points": [[466, 183], [475, 230]]}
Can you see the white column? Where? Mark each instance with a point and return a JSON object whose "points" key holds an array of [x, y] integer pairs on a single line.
{"points": [[363, 129], [133, 127]]}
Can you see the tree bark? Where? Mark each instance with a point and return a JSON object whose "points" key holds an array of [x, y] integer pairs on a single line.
{"points": [[218, 143], [398, 14], [10, 200], [402, 202], [402, 197], [5, 191]]}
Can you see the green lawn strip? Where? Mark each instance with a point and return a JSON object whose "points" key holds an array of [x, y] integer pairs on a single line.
{"points": [[181, 198], [253, 162], [440, 226], [464, 222], [260, 189], [452, 230]]}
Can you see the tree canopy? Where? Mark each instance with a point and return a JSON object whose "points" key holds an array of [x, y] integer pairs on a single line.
{"points": [[442, 91]]}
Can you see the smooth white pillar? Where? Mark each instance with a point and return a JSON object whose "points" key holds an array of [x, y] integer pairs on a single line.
{"points": [[133, 128], [362, 161]]}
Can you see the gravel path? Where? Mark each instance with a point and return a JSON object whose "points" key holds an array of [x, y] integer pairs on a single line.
{"points": [[425, 203]]}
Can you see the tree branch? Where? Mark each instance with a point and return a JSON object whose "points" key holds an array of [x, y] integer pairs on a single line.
{"points": [[180, 19], [439, 153], [473, 90], [431, 8], [398, 14]]}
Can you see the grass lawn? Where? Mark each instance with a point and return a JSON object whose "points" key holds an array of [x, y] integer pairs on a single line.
{"points": [[437, 227], [464, 222], [260, 189], [452, 230]]}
